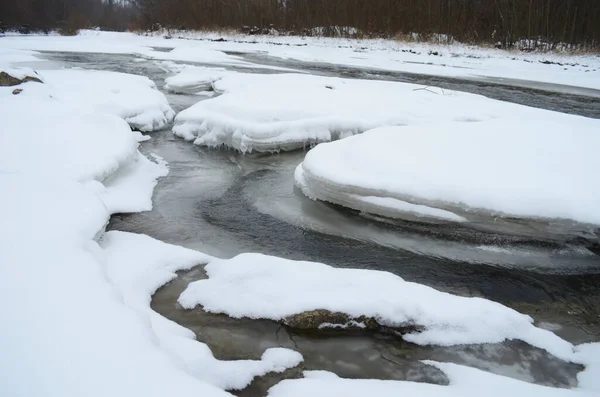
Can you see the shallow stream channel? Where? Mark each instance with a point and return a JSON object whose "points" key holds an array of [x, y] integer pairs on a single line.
{"points": [[225, 203]]}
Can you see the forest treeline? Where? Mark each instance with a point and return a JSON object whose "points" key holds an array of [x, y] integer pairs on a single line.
{"points": [[65, 15], [505, 22]]}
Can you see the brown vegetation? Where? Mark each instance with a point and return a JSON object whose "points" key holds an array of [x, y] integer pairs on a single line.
{"points": [[499, 22], [65, 15], [502, 22]]}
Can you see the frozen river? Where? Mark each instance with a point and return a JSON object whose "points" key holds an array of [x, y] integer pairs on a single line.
{"points": [[224, 203]]}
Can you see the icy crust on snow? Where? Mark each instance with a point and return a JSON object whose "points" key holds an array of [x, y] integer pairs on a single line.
{"points": [[464, 382], [384, 206], [259, 286], [526, 168], [131, 97], [138, 265], [269, 113]]}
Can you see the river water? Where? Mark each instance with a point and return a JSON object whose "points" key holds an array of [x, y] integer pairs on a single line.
{"points": [[224, 203]]}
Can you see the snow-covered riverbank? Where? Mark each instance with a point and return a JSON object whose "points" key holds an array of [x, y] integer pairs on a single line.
{"points": [[455, 60]]}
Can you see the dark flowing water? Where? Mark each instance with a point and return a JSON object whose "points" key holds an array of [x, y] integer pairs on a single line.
{"points": [[224, 203]]}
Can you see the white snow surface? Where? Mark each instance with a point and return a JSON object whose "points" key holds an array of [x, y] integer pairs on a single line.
{"points": [[539, 168], [269, 113], [131, 97], [92, 41], [259, 286], [45, 136]]}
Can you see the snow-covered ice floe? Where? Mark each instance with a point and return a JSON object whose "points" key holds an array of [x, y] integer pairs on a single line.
{"points": [[193, 80], [269, 113], [521, 168], [76, 300], [259, 286]]}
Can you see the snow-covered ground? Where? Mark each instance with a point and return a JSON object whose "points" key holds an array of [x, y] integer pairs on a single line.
{"points": [[538, 168], [455, 60], [133, 98]]}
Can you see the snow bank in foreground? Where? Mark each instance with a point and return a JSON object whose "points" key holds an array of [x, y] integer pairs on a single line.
{"points": [[258, 286], [464, 382], [289, 111], [526, 168], [65, 328], [133, 98]]}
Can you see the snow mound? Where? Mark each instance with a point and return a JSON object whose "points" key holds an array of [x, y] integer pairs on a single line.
{"points": [[268, 113], [131, 97], [192, 80], [20, 72], [45, 136], [259, 286], [526, 168]]}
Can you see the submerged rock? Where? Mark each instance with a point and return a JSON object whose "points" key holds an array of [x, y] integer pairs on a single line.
{"points": [[7, 80], [321, 318]]}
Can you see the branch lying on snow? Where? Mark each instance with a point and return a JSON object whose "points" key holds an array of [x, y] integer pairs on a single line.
{"points": [[428, 90]]}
